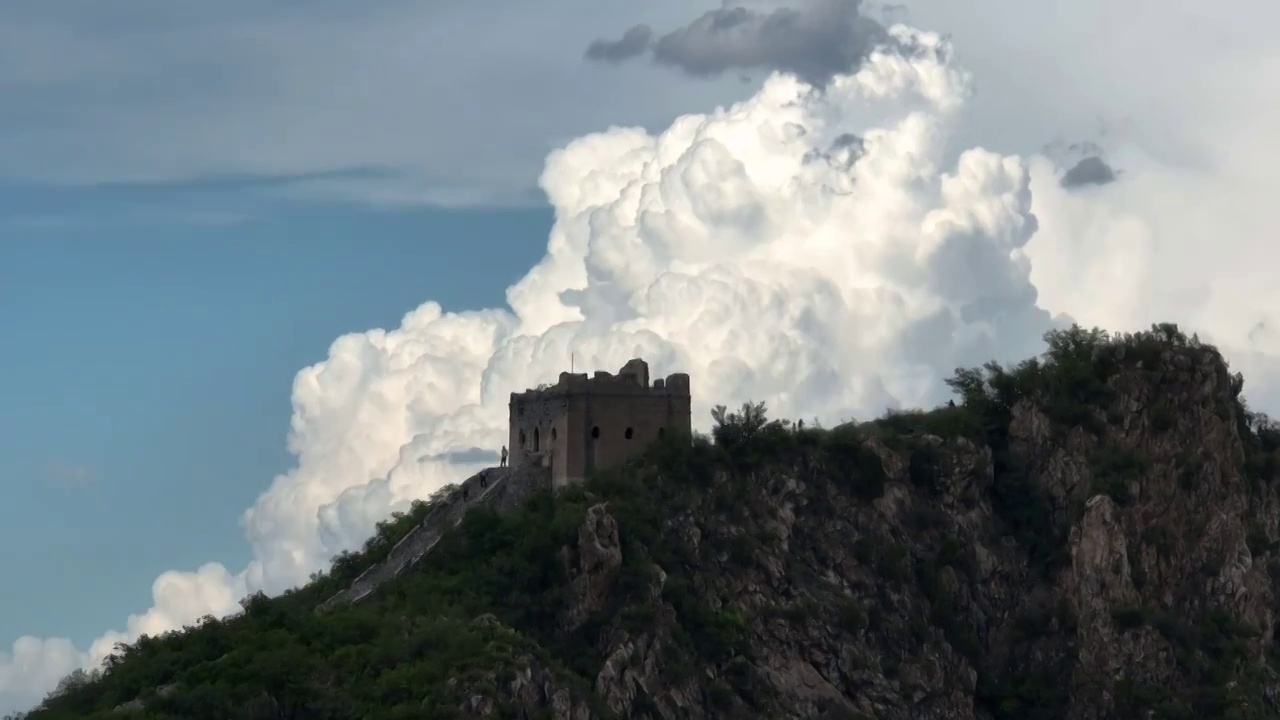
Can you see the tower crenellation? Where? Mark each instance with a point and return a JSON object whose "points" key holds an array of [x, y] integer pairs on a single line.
{"points": [[584, 423]]}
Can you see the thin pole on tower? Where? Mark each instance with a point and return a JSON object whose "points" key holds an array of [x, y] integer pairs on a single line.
{"points": [[570, 363]]}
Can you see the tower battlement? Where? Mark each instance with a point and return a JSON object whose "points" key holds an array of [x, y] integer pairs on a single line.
{"points": [[583, 422]]}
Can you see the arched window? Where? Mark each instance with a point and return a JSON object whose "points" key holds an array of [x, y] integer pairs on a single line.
{"points": [[661, 432], [595, 433], [536, 440], [553, 434], [629, 433], [521, 438]]}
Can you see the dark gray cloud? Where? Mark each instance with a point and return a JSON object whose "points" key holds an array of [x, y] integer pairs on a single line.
{"points": [[464, 457], [815, 40], [633, 42], [1092, 170], [845, 150], [1261, 331], [849, 140]]}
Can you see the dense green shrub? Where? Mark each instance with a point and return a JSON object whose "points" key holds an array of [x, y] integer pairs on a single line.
{"points": [[852, 465]]}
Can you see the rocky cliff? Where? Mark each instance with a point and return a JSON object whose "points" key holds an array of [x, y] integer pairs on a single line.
{"points": [[1091, 534]]}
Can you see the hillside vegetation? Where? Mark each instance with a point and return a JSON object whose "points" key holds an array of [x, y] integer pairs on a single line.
{"points": [[1087, 534]]}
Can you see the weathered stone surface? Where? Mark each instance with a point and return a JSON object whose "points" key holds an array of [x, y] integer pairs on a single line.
{"points": [[922, 604], [592, 566]]}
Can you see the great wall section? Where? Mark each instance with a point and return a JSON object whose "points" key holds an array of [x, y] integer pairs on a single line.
{"points": [[588, 423], [500, 489]]}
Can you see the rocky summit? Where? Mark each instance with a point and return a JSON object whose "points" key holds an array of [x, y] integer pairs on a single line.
{"points": [[1089, 534]]}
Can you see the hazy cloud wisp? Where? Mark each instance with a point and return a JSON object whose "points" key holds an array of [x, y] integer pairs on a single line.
{"points": [[71, 476], [632, 43]]}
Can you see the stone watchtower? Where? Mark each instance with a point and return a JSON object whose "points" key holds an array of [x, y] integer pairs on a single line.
{"points": [[581, 424]]}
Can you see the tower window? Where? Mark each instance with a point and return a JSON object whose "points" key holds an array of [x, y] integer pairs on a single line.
{"points": [[595, 432], [629, 433], [536, 439], [553, 434], [661, 432], [521, 438]]}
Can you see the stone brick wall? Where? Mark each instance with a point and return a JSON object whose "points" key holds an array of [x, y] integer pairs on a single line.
{"points": [[583, 423], [500, 489]]}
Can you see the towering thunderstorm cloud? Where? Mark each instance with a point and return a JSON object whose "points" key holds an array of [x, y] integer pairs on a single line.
{"points": [[824, 251]]}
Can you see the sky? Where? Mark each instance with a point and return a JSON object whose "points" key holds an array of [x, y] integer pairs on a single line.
{"points": [[152, 395], [267, 271]]}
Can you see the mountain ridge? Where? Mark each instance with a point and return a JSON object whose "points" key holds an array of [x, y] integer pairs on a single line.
{"points": [[1088, 534]]}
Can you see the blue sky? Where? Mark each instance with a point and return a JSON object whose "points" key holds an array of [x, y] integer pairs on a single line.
{"points": [[197, 199], [152, 337]]}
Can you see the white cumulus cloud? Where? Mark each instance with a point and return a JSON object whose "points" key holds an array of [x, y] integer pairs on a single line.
{"points": [[830, 253]]}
